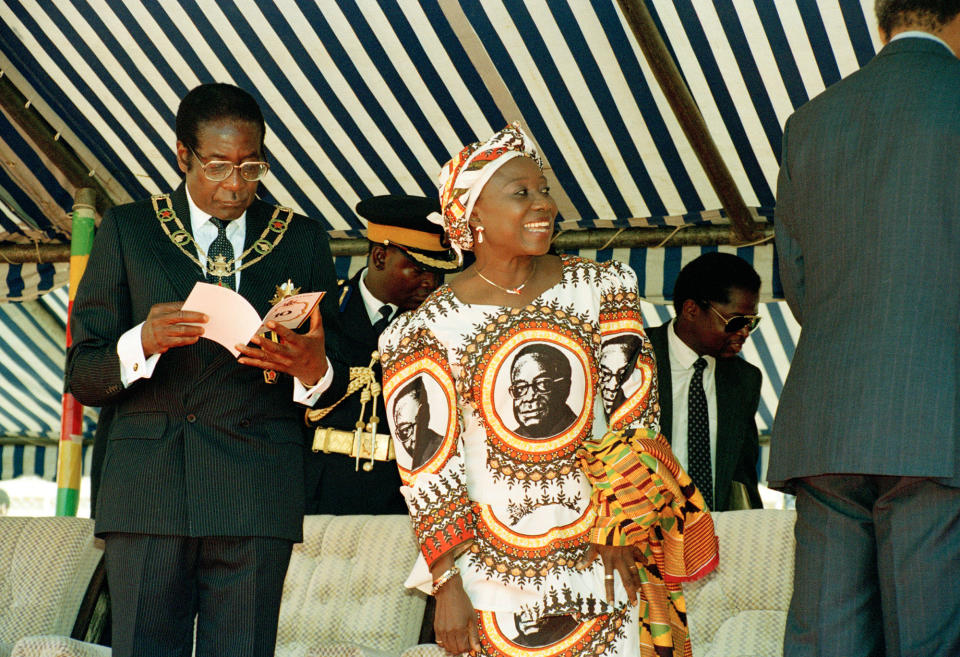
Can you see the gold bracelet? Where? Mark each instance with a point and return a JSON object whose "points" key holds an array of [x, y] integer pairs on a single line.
{"points": [[444, 578]]}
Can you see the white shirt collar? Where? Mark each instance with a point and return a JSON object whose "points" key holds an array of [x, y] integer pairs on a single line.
{"points": [[370, 302], [920, 34]]}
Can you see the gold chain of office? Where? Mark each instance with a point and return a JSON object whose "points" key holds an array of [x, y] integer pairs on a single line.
{"points": [[221, 268]]}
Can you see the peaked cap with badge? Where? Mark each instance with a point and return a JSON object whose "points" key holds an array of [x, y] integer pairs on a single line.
{"points": [[401, 220]]}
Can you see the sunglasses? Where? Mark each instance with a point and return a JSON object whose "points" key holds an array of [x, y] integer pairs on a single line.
{"points": [[220, 170], [736, 323]]}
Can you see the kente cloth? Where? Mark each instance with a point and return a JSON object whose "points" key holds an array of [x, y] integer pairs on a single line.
{"points": [[488, 406], [644, 498], [462, 178]]}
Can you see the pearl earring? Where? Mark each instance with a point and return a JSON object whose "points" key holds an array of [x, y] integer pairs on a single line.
{"points": [[479, 234]]}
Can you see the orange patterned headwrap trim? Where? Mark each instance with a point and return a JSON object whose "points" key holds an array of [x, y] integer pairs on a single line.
{"points": [[463, 177]]}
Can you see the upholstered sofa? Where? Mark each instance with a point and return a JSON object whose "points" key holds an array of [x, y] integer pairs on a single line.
{"points": [[343, 595], [46, 568]]}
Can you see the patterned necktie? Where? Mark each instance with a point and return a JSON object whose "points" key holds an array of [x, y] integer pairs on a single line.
{"points": [[221, 247], [381, 323], [698, 435]]}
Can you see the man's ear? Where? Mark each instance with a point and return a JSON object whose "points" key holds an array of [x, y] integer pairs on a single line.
{"points": [[183, 157], [690, 309], [378, 256]]}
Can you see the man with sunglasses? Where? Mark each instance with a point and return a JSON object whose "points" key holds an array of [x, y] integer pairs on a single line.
{"points": [[714, 439], [201, 489]]}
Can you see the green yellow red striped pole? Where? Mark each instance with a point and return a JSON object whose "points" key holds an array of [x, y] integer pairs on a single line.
{"points": [[70, 454]]}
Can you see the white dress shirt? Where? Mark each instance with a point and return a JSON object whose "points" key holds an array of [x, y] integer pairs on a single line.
{"points": [[372, 303], [682, 359]]}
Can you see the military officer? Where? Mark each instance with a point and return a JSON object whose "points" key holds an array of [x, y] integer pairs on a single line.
{"points": [[406, 261]]}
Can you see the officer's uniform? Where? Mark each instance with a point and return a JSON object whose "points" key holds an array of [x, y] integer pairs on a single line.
{"points": [[337, 480]]}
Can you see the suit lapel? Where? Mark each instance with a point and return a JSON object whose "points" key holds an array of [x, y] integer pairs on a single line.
{"points": [[661, 351], [258, 283], [180, 269], [355, 320], [727, 386]]}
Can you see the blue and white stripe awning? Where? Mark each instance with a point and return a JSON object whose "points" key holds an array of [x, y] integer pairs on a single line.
{"points": [[366, 97]]}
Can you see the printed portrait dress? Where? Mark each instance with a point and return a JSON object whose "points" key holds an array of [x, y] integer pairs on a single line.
{"points": [[490, 407]]}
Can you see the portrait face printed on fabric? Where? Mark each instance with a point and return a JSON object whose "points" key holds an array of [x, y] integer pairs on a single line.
{"points": [[228, 140], [539, 389], [615, 358], [531, 633], [411, 421]]}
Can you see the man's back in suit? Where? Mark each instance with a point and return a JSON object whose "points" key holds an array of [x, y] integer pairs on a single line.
{"points": [[867, 235], [866, 432]]}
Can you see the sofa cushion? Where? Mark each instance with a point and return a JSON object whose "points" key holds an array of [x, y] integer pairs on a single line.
{"points": [[344, 589], [740, 609], [45, 567]]}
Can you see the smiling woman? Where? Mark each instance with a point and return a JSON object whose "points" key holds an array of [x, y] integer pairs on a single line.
{"points": [[516, 542]]}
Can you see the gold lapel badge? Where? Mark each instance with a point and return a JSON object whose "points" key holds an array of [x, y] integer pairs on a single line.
{"points": [[283, 291]]}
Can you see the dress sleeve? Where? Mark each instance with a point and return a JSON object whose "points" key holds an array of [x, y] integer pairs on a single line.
{"points": [[421, 405], [628, 371]]}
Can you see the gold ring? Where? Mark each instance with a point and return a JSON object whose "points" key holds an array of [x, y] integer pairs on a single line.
{"points": [[609, 578]]}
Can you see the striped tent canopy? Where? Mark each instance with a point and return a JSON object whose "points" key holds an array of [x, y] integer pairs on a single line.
{"points": [[366, 97]]}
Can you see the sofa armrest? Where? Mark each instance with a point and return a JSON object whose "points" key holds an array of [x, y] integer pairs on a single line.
{"points": [[57, 646]]}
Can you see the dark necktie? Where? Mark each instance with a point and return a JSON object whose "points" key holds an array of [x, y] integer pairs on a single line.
{"points": [[698, 435], [381, 323], [221, 247]]}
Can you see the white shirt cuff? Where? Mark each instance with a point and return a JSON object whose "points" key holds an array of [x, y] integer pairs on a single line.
{"points": [[307, 396], [133, 365]]}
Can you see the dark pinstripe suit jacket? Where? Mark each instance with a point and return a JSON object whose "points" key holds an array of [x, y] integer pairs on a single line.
{"points": [[868, 237], [738, 396], [204, 447]]}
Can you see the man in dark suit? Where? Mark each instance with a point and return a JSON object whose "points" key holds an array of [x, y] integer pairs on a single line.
{"points": [[715, 298], [201, 492], [867, 433], [405, 263]]}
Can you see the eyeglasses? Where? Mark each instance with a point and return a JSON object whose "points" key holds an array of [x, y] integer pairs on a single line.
{"points": [[220, 170], [736, 323], [540, 384]]}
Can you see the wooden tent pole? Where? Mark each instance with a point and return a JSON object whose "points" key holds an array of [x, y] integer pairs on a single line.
{"points": [[611, 238], [46, 139], [688, 114]]}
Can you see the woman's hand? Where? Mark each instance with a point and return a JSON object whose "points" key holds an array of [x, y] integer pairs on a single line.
{"points": [[622, 559], [455, 620]]}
